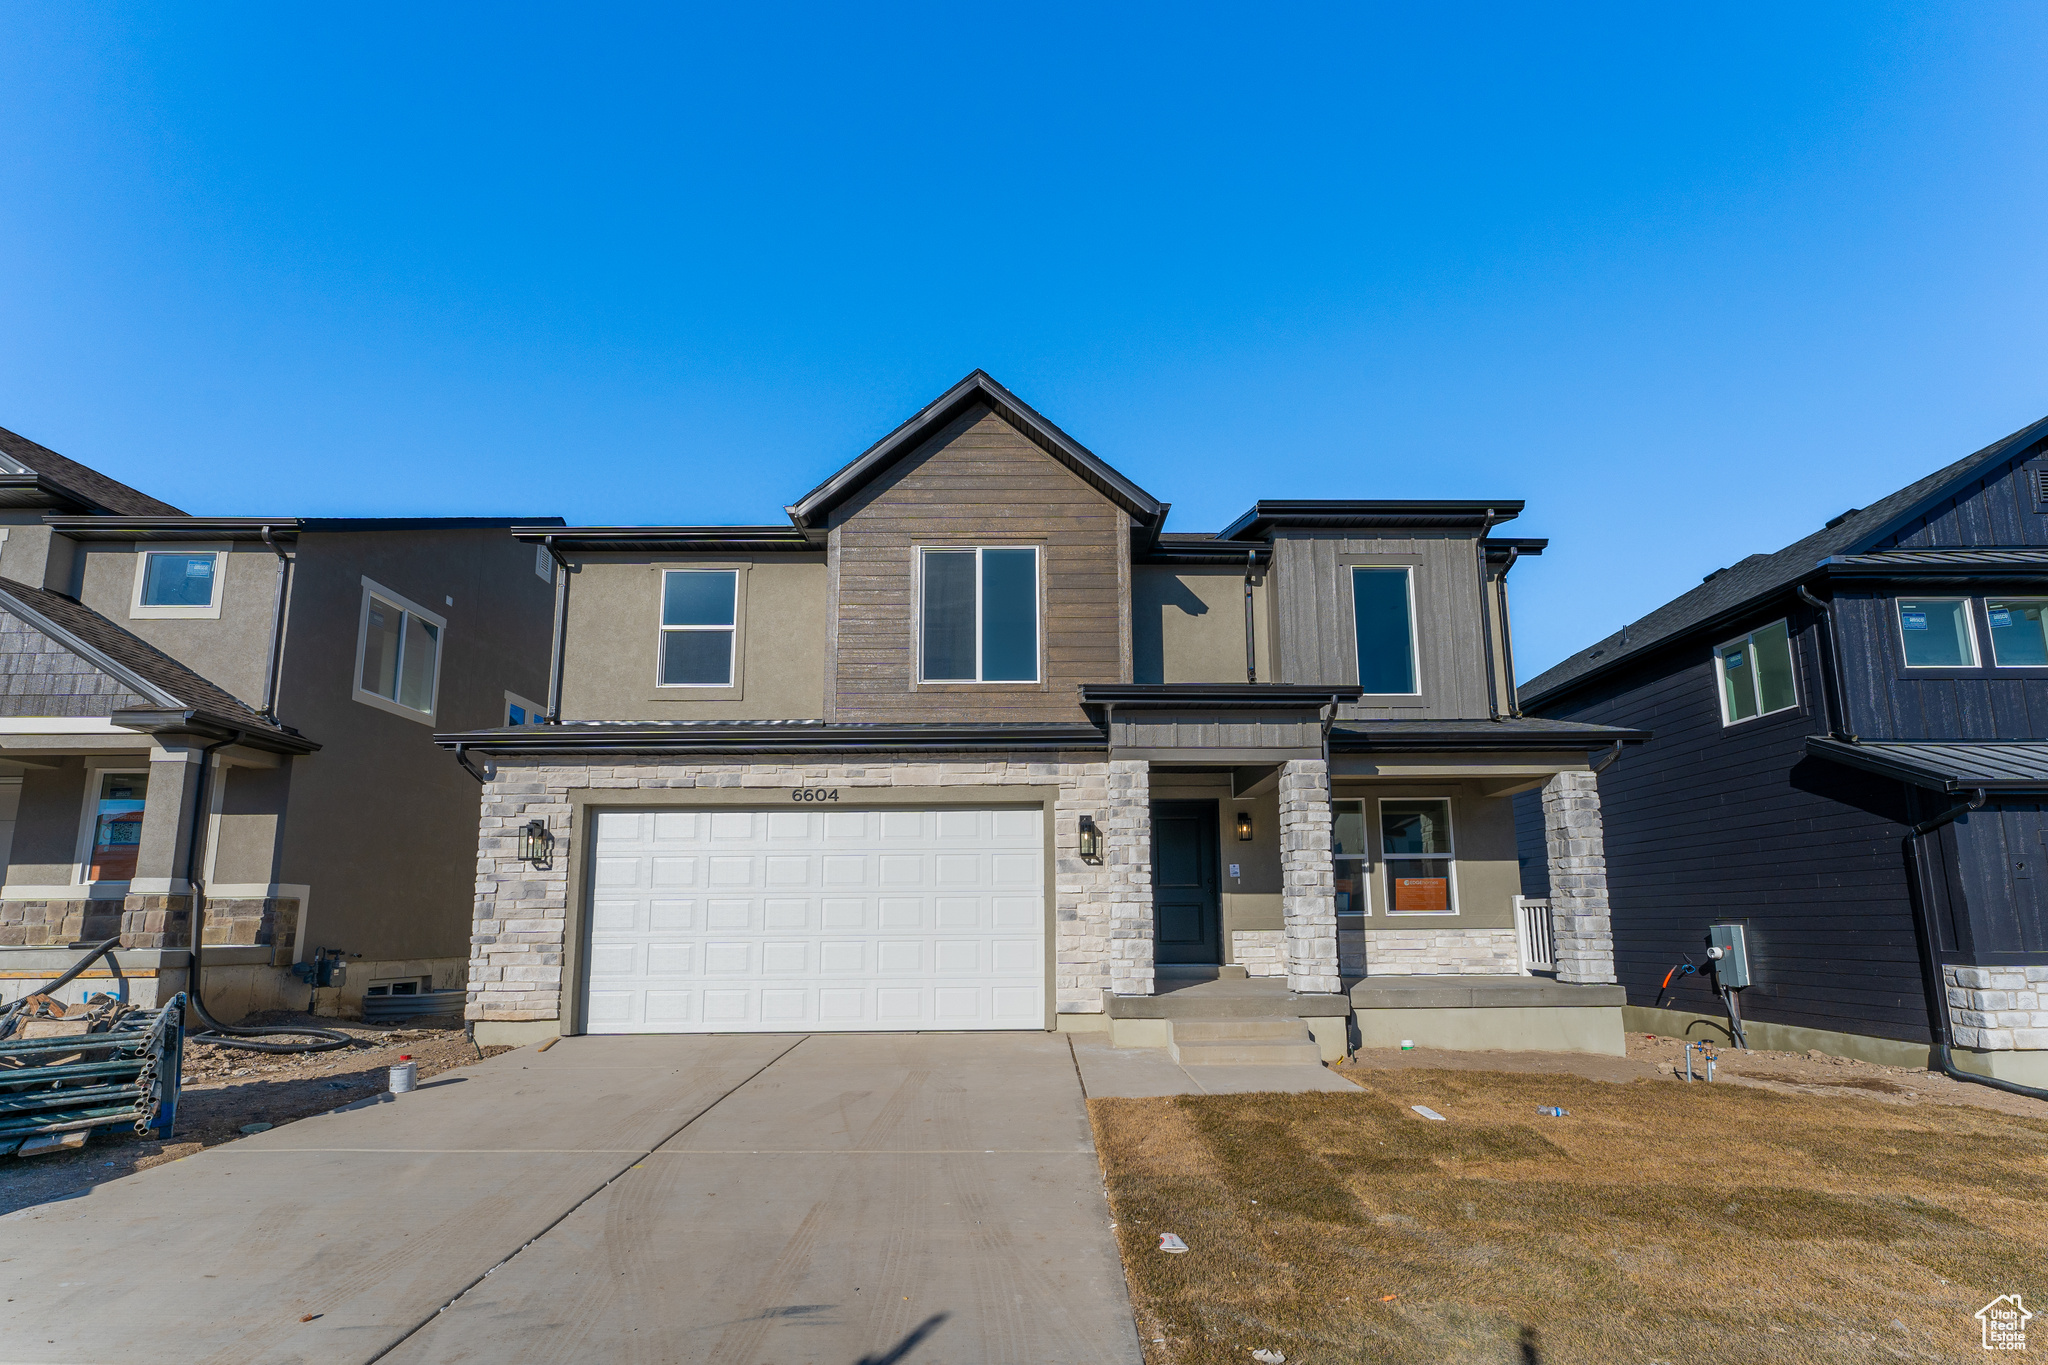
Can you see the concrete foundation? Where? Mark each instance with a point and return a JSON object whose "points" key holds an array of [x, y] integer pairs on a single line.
{"points": [[2021, 1068], [515, 1032], [1775, 1037], [1481, 1014]]}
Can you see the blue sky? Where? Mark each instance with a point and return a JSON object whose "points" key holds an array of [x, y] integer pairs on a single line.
{"points": [[1689, 280]]}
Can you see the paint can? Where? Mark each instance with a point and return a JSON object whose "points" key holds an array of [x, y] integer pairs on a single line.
{"points": [[1407, 1045], [404, 1076]]}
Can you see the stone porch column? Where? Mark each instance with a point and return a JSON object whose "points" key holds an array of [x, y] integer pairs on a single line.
{"points": [[1308, 883], [158, 910], [1127, 860], [1578, 879]]}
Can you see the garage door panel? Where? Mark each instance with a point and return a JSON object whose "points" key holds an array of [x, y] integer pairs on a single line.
{"points": [[819, 919]]}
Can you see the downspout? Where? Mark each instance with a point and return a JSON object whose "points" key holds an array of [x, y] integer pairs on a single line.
{"points": [[1486, 620], [1251, 648], [561, 621], [272, 664], [1507, 634], [1834, 694], [1608, 758], [485, 773], [1930, 963]]}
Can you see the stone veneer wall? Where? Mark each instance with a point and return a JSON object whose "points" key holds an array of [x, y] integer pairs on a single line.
{"points": [[53, 924], [1103, 913], [1998, 1009], [1261, 952], [1442, 951], [1308, 880], [149, 921], [1578, 878]]}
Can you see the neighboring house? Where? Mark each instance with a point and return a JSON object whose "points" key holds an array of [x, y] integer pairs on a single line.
{"points": [[308, 661], [970, 741], [1810, 707]]}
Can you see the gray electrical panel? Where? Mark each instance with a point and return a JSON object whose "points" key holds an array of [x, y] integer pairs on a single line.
{"points": [[1728, 946]]}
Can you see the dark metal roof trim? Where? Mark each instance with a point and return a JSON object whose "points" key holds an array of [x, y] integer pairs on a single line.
{"points": [[1293, 696], [811, 509], [773, 737], [1445, 736], [174, 528], [210, 725], [1983, 765], [1266, 517], [776, 539]]}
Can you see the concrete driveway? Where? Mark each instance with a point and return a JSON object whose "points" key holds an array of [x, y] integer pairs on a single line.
{"points": [[842, 1199]]}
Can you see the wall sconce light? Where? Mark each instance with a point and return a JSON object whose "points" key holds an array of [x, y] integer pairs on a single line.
{"points": [[1244, 826], [1091, 840], [536, 843]]}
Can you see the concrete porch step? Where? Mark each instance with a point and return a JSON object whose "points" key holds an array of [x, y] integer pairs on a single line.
{"points": [[1242, 1042]]}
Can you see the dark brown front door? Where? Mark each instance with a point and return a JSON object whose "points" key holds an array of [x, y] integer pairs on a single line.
{"points": [[1187, 909]]}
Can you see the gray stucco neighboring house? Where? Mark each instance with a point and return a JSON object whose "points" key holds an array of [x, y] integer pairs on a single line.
{"points": [[969, 740], [305, 663]]}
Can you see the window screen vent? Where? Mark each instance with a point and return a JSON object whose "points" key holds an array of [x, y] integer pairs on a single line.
{"points": [[2037, 478]]}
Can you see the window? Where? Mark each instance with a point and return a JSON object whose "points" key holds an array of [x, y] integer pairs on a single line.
{"points": [[1935, 632], [1415, 845], [398, 654], [184, 582], [520, 711], [979, 614], [697, 616], [1383, 606], [117, 826], [2019, 636], [1348, 853], [1756, 674]]}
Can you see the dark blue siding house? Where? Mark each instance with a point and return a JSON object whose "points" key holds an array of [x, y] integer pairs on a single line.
{"points": [[1851, 764]]}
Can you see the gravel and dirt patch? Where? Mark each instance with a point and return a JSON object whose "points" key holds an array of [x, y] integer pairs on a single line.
{"points": [[1762, 1221], [226, 1089]]}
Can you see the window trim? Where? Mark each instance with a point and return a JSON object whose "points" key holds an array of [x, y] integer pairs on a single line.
{"points": [[663, 630], [1037, 680], [88, 826], [1410, 568], [660, 691], [220, 550], [1748, 638], [372, 588], [1976, 662], [1983, 604], [1363, 858], [1449, 856], [535, 714]]}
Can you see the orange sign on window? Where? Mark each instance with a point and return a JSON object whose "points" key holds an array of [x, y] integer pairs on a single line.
{"points": [[1422, 893]]}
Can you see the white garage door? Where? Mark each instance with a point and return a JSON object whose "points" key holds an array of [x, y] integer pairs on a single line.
{"points": [[734, 921]]}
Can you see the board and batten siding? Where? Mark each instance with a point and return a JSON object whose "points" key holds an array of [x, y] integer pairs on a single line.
{"points": [[1707, 823], [976, 481], [1316, 635], [1998, 508], [1887, 700]]}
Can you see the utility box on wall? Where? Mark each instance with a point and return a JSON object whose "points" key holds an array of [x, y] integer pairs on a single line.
{"points": [[1728, 946]]}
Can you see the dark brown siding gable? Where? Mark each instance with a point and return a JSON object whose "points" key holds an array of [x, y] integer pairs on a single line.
{"points": [[978, 481]]}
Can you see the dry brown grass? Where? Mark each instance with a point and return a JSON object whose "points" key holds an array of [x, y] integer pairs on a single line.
{"points": [[1659, 1222]]}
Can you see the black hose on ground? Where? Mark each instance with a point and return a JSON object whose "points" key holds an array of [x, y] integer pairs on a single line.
{"points": [[7, 1012], [1941, 1059], [217, 1034]]}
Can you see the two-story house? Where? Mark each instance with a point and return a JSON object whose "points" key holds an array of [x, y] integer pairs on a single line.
{"points": [[1850, 763], [301, 665], [971, 742]]}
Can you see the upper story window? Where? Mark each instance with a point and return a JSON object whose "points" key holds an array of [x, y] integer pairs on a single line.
{"points": [[978, 614], [1383, 605], [698, 612], [1756, 674], [398, 654], [2019, 633], [185, 582], [520, 711], [1937, 632]]}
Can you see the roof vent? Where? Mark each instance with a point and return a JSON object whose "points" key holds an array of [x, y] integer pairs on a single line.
{"points": [[1842, 518], [1715, 574], [2037, 478]]}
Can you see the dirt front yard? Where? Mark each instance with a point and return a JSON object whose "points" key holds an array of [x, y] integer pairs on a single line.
{"points": [[226, 1089], [1659, 1221]]}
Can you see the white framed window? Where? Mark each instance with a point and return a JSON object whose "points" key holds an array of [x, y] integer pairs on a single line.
{"points": [[110, 832], [699, 627], [1755, 674], [978, 617], [1383, 619], [1936, 632], [520, 711], [398, 654], [2018, 627], [1350, 858], [1417, 853], [178, 582]]}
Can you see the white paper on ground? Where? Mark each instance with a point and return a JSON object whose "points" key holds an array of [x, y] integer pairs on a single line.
{"points": [[1428, 1113]]}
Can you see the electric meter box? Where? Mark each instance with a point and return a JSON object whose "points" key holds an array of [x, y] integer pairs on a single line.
{"points": [[1731, 963]]}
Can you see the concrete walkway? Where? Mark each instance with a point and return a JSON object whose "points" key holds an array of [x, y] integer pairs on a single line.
{"points": [[832, 1198]]}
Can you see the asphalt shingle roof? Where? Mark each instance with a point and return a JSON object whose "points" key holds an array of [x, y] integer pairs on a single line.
{"points": [[109, 494]]}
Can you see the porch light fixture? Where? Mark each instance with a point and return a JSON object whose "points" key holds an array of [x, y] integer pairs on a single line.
{"points": [[536, 843], [1091, 840], [1244, 826]]}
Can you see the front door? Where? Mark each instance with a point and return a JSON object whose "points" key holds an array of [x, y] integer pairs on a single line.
{"points": [[1186, 908]]}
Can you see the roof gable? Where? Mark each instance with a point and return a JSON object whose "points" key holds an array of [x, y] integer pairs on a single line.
{"points": [[810, 511], [1729, 590]]}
